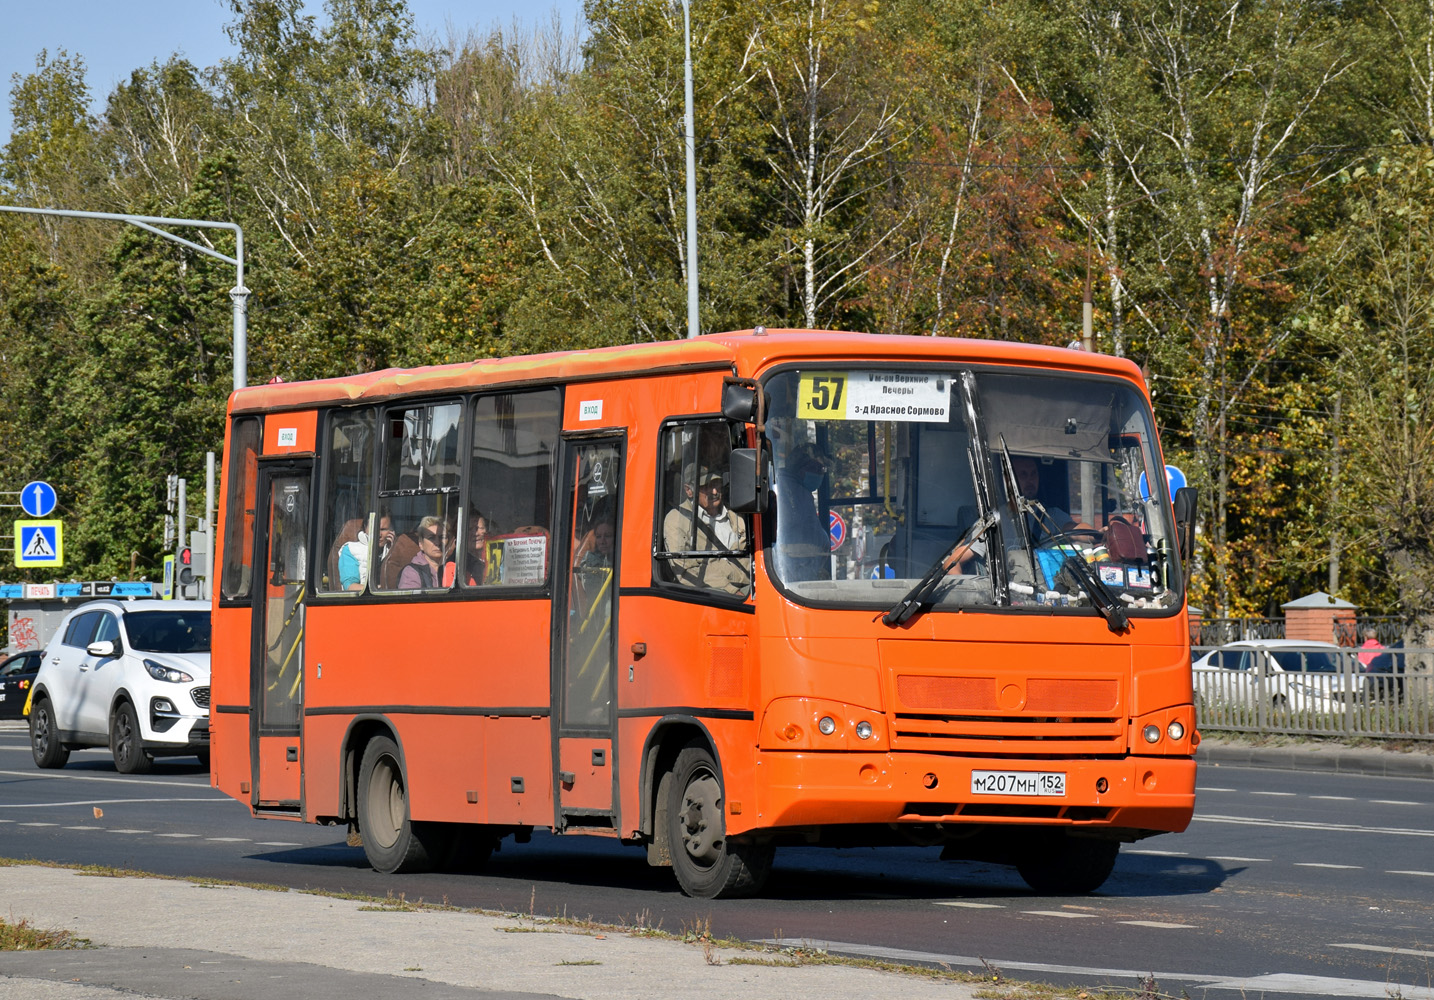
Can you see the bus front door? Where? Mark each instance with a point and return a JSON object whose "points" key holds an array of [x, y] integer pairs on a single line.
{"points": [[584, 627], [276, 672]]}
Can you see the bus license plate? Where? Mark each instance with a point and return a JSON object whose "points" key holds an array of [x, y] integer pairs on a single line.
{"points": [[1018, 783]]}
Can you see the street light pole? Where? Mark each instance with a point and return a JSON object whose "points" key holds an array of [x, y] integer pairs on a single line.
{"points": [[238, 294], [693, 325]]}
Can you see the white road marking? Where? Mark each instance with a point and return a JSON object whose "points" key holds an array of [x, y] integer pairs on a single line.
{"points": [[1428, 874], [1157, 924], [1394, 802], [84, 828], [1162, 854], [39, 824], [1290, 824], [1278, 983], [1058, 913], [285, 843], [176, 835], [111, 778], [94, 802], [1218, 858], [1283, 795], [1334, 798], [971, 906], [131, 831], [229, 840], [1384, 949], [1212, 788], [1322, 864]]}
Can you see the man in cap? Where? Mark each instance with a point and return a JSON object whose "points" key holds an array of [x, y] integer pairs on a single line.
{"points": [[703, 523]]}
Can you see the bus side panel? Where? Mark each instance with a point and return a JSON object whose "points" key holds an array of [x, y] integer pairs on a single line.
{"points": [[323, 764], [477, 669], [520, 772], [229, 764]]}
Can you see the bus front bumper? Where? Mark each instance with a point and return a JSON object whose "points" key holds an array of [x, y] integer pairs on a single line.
{"points": [[803, 789]]}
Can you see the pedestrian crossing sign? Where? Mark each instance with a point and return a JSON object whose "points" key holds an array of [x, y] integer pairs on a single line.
{"points": [[39, 543]]}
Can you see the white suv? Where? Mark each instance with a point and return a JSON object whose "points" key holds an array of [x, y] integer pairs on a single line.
{"points": [[130, 675]]}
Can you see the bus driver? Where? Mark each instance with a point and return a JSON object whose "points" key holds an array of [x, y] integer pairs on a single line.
{"points": [[707, 525]]}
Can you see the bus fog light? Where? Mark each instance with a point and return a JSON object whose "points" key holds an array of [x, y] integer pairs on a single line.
{"points": [[863, 730], [1152, 734], [827, 725], [1175, 730]]}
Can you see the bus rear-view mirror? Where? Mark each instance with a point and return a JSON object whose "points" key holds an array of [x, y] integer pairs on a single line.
{"points": [[747, 487], [1186, 503]]}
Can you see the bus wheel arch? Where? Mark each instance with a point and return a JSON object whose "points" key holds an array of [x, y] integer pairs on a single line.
{"points": [[664, 742], [393, 841], [708, 864]]}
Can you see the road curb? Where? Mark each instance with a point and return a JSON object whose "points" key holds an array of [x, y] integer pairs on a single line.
{"points": [[1342, 760]]}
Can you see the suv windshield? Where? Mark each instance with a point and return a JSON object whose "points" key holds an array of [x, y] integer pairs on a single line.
{"points": [[983, 484], [168, 631]]}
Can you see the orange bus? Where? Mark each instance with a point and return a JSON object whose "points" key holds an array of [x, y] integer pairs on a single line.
{"points": [[711, 597]]}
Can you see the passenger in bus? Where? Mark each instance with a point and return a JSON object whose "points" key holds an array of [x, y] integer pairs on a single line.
{"points": [[353, 555], [475, 553], [425, 571], [702, 522], [803, 546]]}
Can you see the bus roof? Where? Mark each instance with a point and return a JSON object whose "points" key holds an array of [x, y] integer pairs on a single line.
{"points": [[745, 352]]}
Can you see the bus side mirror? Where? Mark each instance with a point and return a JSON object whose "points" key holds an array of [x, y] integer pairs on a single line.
{"points": [[1186, 502], [739, 400], [747, 487]]}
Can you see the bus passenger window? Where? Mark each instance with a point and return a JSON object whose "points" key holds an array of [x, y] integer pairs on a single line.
{"points": [[418, 496], [237, 576], [348, 469], [509, 498], [705, 544]]}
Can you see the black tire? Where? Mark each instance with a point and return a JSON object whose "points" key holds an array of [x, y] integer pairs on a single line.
{"points": [[392, 842], [1068, 866], [45, 743], [126, 743], [706, 863], [203, 756]]}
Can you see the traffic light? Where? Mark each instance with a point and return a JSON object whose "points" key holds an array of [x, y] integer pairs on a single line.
{"points": [[186, 565]]}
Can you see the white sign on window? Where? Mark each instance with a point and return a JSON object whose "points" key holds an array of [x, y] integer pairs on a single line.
{"points": [[590, 409], [288, 437], [523, 560]]}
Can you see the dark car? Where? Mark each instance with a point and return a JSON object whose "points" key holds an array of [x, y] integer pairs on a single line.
{"points": [[17, 674], [1384, 677]]}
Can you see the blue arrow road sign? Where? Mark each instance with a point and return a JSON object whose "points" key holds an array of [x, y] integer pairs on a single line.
{"points": [[37, 499], [1174, 479]]}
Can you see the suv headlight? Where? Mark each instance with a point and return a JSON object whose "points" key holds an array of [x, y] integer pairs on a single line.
{"points": [[162, 673]]}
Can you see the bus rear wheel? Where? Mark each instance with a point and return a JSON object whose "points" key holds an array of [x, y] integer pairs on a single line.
{"points": [[1068, 866], [392, 841], [707, 864]]}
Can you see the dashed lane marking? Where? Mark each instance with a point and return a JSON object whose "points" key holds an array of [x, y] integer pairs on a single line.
{"points": [[176, 835], [229, 840], [1157, 924], [1322, 864], [1394, 802], [275, 843], [1384, 949], [1427, 874], [1282, 795], [131, 831], [39, 824], [970, 906], [79, 827], [1333, 798], [1162, 854], [1215, 857], [1289, 824], [1058, 913], [1212, 788]]}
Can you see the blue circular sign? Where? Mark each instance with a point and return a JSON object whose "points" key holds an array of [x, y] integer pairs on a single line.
{"points": [[1174, 478], [37, 498], [838, 529]]}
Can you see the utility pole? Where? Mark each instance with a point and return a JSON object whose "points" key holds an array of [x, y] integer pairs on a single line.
{"points": [[690, 139], [238, 295]]}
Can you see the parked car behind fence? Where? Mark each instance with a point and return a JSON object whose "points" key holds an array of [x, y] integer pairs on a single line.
{"points": [[1313, 688]]}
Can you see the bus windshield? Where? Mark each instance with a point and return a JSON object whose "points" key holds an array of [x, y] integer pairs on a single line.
{"points": [[1026, 490]]}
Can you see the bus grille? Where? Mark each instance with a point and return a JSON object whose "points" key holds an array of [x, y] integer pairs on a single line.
{"points": [[1009, 734]]}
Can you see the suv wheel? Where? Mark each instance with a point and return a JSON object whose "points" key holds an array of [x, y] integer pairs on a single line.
{"points": [[45, 743], [125, 742]]}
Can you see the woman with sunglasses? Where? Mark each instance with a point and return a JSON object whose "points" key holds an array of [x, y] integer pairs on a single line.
{"points": [[425, 572]]}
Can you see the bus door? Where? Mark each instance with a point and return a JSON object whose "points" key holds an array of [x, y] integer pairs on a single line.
{"points": [[276, 669], [584, 633]]}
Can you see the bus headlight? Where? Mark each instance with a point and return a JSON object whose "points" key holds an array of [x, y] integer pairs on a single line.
{"points": [[827, 725], [1152, 734], [1175, 730], [863, 730]]}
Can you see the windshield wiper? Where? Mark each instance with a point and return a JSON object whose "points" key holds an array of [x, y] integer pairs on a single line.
{"points": [[1101, 598], [920, 595]]}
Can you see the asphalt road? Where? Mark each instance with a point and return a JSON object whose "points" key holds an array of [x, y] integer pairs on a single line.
{"points": [[1293, 883]]}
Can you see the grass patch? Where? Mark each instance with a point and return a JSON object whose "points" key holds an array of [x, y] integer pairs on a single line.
{"points": [[23, 936]]}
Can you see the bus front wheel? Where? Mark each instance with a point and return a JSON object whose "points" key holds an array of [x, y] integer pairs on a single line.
{"points": [[707, 864], [392, 841], [1068, 866]]}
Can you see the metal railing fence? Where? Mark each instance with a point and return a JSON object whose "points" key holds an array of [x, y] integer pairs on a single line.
{"points": [[1315, 691]]}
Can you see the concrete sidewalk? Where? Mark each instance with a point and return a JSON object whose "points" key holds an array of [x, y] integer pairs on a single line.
{"points": [[175, 939]]}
